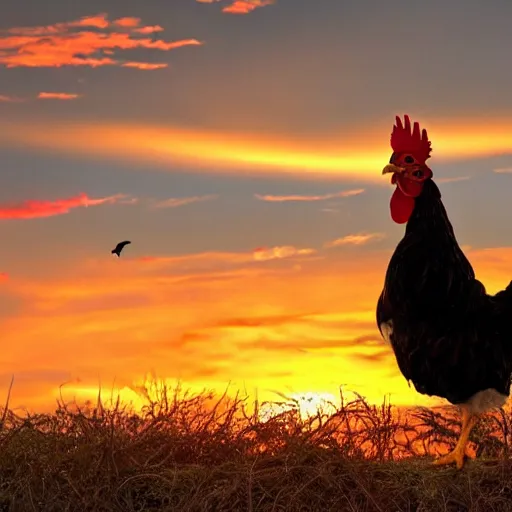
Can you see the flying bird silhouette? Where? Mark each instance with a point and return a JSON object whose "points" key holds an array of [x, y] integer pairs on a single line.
{"points": [[119, 247]]}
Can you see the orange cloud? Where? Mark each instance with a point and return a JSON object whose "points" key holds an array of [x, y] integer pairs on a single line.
{"points": [[127, 22], [148, 29], [246, 6], [58, 96], [96, 21], [4, 276], [240, 6], [358, 239], [361, 158], [74, 44], [32, 209], [279, 199], [503, 170]]}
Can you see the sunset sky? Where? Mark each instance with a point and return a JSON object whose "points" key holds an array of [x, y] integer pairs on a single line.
{"points": [[239, 146]]}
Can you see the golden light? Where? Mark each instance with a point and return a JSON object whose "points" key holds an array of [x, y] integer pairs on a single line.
{"points": [[353, 154]]}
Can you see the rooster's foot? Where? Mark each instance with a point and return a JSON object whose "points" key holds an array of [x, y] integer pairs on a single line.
{"points": [[457, 456]]}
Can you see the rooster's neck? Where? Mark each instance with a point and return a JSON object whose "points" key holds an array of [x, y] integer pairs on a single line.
{"points": [[429, 215]]}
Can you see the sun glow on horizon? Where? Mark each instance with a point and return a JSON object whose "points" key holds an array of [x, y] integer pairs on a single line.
{"points": [[277, 339]]}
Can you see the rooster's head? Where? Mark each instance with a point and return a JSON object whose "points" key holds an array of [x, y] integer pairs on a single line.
{"points": [[411, 149]]}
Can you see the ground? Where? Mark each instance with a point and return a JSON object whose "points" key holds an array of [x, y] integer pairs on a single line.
{"points": [[184, 453]]}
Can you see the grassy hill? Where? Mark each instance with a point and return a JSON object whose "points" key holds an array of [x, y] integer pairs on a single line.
{"points": [[203, 453]]}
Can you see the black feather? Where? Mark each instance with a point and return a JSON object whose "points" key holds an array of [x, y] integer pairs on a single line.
{"points": [[450, 338]]}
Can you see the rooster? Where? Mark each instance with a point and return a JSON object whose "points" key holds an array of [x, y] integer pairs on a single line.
{"points": [[450, 338]]}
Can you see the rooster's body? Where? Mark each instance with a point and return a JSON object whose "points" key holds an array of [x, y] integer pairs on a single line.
{"points": [[450, 338]]}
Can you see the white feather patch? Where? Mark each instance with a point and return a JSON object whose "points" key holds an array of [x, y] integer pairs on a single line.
{"points": [[486, 400], [386, 329]]}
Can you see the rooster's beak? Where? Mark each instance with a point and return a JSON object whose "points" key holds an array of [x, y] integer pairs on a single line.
{"points": [[392, 168]]}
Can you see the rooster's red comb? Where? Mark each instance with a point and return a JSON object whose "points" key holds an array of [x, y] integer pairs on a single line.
{"points": [[403, 139]]}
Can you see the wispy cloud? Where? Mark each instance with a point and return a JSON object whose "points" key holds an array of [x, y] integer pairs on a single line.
{"points": [[189, 260], [279, 199], [175, 202], [143, 65], [40, 96], [58, 96], [503, 170], [75, 44], [4, 276], [280, 252], [453, 180], [356, 239], [196, 260], [32, 209], [240, 6], [4, 98]]}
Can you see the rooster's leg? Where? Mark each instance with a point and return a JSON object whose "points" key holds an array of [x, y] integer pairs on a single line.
{"points": [[457, 455]]}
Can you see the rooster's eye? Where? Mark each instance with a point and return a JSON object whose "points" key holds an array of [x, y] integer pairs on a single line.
{"points": [[409, 159]]}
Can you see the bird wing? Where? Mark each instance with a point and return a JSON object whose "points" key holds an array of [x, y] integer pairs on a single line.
{"points": [[120, 245]]}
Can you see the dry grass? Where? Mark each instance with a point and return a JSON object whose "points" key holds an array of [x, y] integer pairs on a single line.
{"points": [[199, 453]]}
